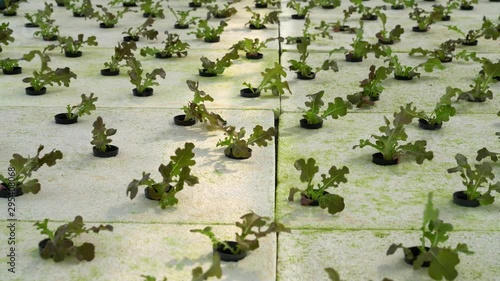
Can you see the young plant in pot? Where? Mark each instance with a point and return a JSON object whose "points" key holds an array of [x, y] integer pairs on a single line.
{"points": [[259, 21], [124, 3], [11, 7], [143, 82], [238, 148], [400, 4], [444, 53], [388, 37], [5, 35], [81, 8], [198, 3], [301, 10], [107, 19], [441, 113], [253, 227], [36, 18], [48, 77], [360, 47], [328, 4], [389, 146], [59, 243], [317, 195], [467, 4], [446, 10], [272, 80], [303, 70], [173, 46], [211, 68], [123, 52], [440, 260], [252, 47], [10, 66], [313, 118], [367, 13], [73, 112], [306, 35], [372, 87], [404, 72], [71, 47], [488, 30], [48, 31], [101, 140], [196, 110], [223, 12], [480, 89], [182, 19], [474, 179], [265, 3], [175, 175], [143, 30], [424, 19], [152, 8], [16, 182], [208, 33]]}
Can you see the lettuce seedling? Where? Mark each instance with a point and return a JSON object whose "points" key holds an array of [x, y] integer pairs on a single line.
{"points": [[225, 11], [334, 202], [9, 64], [197, 3], [83, 7], [425, 19], [252, 226], [306, 35], [152, 8], [400, 4], [467, 3], [72, 46], [300, 10], [488, 30], [142, 30], [360, 47], [253, 46], [259, 21], [207, 32], [442, 111], [446, 10], [272, 80], [107, 18], [475, 179], [84, 107], [100, 135], [388, 37], [335, 109], [46, 76], [334, 275], [24, 167], [443, 260], [480, 89], [11, 7], [214, 270], [175, 174], [182, 17], [123, 2], [444, 53], [301, 66], [196, 108], [372, 87], [123, 52], [388, 143], [40, 16], [5, 35], [238, 147], [328, 3], [60, 242], [218, 67], [409, 72], [172, 45], [367, 13], [48, 30], [137, 77]]}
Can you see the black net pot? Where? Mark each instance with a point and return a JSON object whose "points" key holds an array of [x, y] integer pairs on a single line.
{"points": [[129, 4], [161, 55], [305, 125], [226, 255], [154, 195], [204, 73], [148, 15], [350, 58], [130, 38], [229, 154], [212, 40], [31, 25], [31, 92], [378, 158], [469, 43], [328, 7], [369, 17], [306, 201], [181, 26], [108, 72], [248, 93], [179, 120], [254, 56], [251, 26], [15, 70], [78, 15], [5, 192], [475, 99], [103, 25], [146, 93], [446, 59], [301, 76], [193, 5], [466, 8], [417, 29], [111, 151], [9, 14], [397, 7], [415, 251], [403, 78], [73, 55], [261, 6], [42, 244], [446, 18], [460, 198], [386, 42], [298, 17], [62, 118], [50, 38], [424, 124]]}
